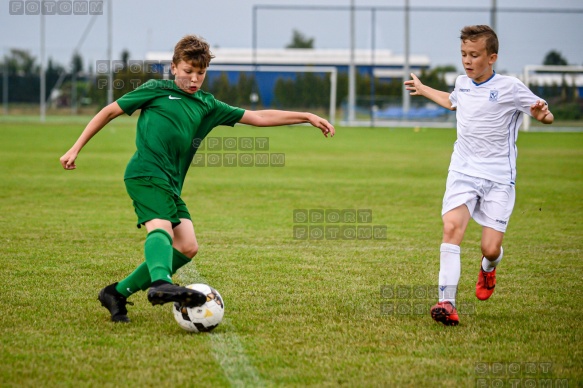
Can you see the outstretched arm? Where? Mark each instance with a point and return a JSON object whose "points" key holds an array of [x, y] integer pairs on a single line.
{"points": [[540, 111], [272, 118], [104, 116], [418, 89]]}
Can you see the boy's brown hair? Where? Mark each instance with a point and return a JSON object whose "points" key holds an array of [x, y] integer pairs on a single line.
{"points": [[194, 50], [474, 33]]}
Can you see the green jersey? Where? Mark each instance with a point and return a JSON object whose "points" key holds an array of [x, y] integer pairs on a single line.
{"points": [[170, 128]]}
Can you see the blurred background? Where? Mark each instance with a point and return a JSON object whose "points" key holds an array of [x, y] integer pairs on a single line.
{"points": [[345, 59]]}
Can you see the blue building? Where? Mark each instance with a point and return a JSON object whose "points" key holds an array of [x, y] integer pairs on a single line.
{"points": [[269, 65]]}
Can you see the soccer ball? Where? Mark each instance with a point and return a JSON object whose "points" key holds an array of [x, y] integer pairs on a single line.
{"points": [[204, 318]]}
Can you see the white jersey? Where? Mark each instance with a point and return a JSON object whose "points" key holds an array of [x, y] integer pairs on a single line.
{"points": [[488, 117]]}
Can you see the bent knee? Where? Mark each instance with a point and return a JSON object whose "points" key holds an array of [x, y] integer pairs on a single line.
{"points": [[189, 250], [491, 252], [452, 231]]}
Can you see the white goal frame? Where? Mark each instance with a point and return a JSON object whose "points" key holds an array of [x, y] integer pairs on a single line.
{"points": [[290, 69], [557, 69]]}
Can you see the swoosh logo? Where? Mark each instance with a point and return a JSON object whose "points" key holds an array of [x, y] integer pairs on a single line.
{"points": [[174, 98]]}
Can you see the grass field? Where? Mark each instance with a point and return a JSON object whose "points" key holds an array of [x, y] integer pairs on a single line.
{"points": [[329, 312]]}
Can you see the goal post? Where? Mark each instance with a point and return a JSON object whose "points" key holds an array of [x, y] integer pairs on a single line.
{"points": [[333, 71], [549, 78]]}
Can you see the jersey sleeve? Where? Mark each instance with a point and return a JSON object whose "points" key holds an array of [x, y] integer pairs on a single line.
{"points": [[524, 97], [138, 98], [224, 114], [453, 94]]}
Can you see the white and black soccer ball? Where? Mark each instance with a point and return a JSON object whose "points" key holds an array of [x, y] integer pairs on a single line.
{"points": [[204, 318]]}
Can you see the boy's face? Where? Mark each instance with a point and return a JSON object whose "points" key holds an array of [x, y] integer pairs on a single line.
{"points": [[476, 60], [187, 77]]}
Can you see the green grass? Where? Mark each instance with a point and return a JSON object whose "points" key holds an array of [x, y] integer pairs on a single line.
{"points": [[298, 312]]}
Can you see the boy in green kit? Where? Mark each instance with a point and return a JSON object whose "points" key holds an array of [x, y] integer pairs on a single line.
{"points": [[175, 116]]}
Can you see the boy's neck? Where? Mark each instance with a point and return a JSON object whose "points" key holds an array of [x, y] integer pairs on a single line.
{"points": [[485, 77]]}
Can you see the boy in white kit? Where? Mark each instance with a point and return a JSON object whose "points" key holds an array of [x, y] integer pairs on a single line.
{"points": [[482, 173]]}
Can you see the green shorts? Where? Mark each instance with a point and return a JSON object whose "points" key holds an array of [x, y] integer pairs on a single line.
{"points": [[153, 198]]}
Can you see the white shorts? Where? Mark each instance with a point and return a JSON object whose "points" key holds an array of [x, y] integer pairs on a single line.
{"points": [[490, 203]]}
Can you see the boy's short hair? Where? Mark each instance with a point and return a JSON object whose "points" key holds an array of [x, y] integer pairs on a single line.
{"points": [[474, 33], [194, 50]]}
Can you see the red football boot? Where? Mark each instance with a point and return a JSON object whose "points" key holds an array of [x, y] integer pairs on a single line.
{"points": [[445, 313], [486, 283]]}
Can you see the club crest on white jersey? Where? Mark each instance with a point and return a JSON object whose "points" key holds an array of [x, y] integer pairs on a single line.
{"points": [[493, 95]]}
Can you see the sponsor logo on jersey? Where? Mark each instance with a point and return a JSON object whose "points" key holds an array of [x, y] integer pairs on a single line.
{"points": [[174, 98], [465, 90]]}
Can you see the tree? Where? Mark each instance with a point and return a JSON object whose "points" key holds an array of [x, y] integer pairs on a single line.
{"points": [[554, 58], [221, 88], [233, 94], [23, 76], [21, 62], [76, 63], [299, 40], [53, 69], [435, 77], [125, 57], [302, 91]]}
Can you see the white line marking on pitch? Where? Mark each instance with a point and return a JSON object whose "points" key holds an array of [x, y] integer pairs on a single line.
{"points": [[226, 346]]}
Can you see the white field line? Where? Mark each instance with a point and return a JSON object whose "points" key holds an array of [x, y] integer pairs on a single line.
{"points": [[226, 346]]}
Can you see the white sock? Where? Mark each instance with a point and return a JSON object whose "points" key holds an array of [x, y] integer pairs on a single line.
{"points": [[449, 271], [489, 266]]}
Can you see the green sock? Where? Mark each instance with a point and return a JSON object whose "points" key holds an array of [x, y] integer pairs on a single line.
{"points": [[178, 260], [136, 281], [140, 278], [158, 252]]}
